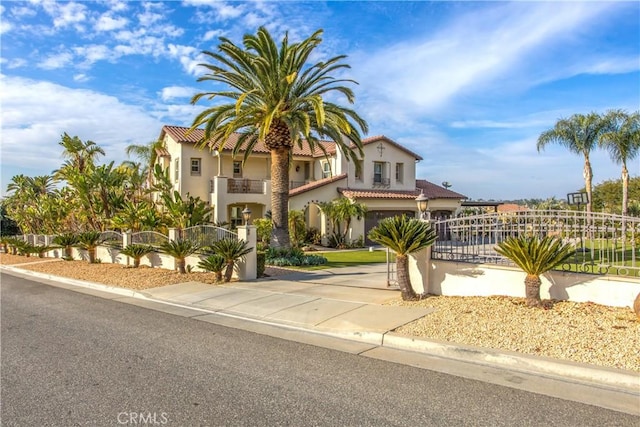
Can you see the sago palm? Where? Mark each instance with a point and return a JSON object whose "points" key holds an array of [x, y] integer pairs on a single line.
{"points": [[136, 251], [179, 249], [214, 263], [66, 241], [231, 250], [275, 97], [89, 241], [535, 257], [404, 236]]}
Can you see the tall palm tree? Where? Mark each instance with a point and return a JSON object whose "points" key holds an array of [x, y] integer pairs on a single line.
{"points": [[622, 139], [278, 99], [535, 256], [147, 154], [580, 135], [80, 155], [404, 236]]}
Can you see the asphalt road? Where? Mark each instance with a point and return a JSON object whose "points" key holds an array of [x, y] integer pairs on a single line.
{"points": [[72, 359]]}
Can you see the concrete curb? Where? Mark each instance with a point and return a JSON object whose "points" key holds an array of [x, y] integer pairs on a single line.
{"points": [[516, 361]]}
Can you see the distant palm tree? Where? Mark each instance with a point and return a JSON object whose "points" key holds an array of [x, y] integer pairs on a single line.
{"points": [[404, 236], [148, 154], [535, 256], [580, 135], [179, 249], [81, 155], [622, 139], [231, 250], [279, 99]]}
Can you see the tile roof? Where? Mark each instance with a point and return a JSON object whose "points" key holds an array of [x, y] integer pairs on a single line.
{"points": [[511, 207], [377, 138], [162, 152], [182, 135], [316, 184], [433, 191], [378, 194]]}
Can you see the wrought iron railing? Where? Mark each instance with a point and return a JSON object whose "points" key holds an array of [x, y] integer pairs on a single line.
{"points": [[381, 182], [152, 238], [206, 235], [112, 238], [604, 243], [253, 186]]}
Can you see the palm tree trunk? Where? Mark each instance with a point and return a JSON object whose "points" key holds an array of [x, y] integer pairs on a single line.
{"points": [[228, 272], [402, 270], [625, 188], [180, 265], [588, 178], [92, 255], [280, 197], [532, 290], [136, 262]]}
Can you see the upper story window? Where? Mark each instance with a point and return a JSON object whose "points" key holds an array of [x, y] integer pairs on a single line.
{"points": [[237, 169], [177, 170], [358, 166], [196, 165], [326, 170], [377, 172], [399, 172]]}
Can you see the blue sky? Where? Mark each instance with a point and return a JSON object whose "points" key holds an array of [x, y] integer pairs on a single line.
{"points": [[467, 85]]}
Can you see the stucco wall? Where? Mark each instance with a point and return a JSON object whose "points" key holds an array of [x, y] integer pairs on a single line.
{"points": [[453, 278]]}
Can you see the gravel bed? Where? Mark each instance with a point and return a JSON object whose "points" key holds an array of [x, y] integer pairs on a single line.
{"points": [[579, 332]]}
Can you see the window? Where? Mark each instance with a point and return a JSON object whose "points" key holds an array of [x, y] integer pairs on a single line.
{"points": [[377, 172], [237, 169], [326, 170], [195, 166], [177, 171], [358, 165], [236, 216], [399, 172]]}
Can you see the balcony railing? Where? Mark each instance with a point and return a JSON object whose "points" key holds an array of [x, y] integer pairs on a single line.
{"points": [[251, 186], [296, 184], [380, 182]]}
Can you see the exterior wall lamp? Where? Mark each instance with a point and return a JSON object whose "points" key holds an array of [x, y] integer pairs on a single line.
{"points": [[246, 215], [423, 206]]}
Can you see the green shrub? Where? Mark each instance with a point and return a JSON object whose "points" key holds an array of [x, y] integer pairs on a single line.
{"points": [[214, 263], [293, 257], [261, 260]]}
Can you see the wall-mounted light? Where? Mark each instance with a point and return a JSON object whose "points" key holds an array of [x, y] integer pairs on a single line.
{"points": [[298, 168], [423, 206], [246, 215]]}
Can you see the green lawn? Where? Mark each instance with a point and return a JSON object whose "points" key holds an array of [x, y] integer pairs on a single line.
{"points": [[337, 259]]}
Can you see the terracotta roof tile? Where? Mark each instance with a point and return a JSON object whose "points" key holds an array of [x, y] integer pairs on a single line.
{"points": [[511, 207], [162, 152], [316, 184], [182, 135], [434, 191], [378, 194]]}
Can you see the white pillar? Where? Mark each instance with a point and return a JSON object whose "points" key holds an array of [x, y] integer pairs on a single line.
{"points": [[248, 269]]}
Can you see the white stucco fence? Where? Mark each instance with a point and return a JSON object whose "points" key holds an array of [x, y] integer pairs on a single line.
{"points": [[463, 279]]}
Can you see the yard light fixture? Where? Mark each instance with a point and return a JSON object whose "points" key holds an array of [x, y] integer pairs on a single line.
{"points": [[246, 215], [423, 205]]}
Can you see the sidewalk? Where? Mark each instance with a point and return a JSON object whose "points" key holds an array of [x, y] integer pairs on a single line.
{"points": [[311, 307]]}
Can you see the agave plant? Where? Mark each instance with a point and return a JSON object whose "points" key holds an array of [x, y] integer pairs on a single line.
{"points": [[137, 251], [535, 256], [231, 250], [89, 241], [404, 236], [66, 241], [179, 249], [214, 263]]}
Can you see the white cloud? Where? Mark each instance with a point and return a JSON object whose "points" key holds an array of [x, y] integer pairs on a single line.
{"points": [[209, 35], [108, 23], [36, 113], [173, 92], [188, 56], [81, 78], [59, 60], [92, 53], [469, 54], [67, 14]]}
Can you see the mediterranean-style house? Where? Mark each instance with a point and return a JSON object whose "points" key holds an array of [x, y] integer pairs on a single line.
{"points": [[385, 180]]}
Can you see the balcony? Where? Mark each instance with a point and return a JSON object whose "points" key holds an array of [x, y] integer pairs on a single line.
{"points": [[379, 182], [245, 186]]}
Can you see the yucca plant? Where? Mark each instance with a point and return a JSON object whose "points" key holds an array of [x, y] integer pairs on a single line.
{"points": [[535, 257], [89, 241], [404, 236], [67, 241], [214, 263], [179, 249], [231, 250], [136, 251]]}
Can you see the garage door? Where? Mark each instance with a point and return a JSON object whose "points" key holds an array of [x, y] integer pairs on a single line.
{"points": [[373, 217]]}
